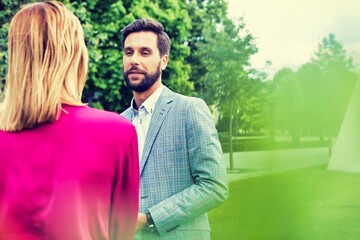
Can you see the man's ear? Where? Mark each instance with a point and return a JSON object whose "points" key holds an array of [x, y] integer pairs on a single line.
{"points": [[164, 61]]}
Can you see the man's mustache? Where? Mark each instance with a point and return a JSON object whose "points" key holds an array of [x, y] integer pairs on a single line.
{"points": [[135, 69]]}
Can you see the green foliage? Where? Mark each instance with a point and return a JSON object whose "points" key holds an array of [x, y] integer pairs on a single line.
{"points": [[312, 83], [108, 80], [102, 22], [338, 76], [226, 83], [331, 53], [313, 100], [204, 15], [289, 101], [210, 58]]}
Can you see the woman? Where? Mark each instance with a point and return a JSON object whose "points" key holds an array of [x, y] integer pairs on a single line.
{"points": [[67, 171]]}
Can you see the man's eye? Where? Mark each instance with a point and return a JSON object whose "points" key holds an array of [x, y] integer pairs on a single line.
{"points": [[128, 52], [145, 53]]}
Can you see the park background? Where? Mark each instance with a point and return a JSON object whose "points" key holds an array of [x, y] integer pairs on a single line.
{"points": [[277, 108]]}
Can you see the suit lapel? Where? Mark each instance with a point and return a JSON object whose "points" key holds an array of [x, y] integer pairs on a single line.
{"points": [[162, 107]]}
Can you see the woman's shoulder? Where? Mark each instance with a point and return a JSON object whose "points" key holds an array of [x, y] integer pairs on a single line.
{"points": [[95, 118]]}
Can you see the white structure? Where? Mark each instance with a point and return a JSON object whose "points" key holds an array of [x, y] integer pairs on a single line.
{"points": [[346, 150]]}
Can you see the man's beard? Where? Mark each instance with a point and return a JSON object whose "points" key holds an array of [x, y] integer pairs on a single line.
{"points": [[148, 81]]}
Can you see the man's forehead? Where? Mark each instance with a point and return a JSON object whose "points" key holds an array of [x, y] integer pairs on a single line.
{"points": [[146, 39]]}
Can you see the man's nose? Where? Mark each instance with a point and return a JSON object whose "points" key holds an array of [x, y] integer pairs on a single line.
{"points": [[134, 60]]}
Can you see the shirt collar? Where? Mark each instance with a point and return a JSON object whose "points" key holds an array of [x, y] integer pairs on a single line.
{"points": [[150, 102]]}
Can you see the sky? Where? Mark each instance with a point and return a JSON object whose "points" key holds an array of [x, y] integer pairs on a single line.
{"points": [[288, 32]]}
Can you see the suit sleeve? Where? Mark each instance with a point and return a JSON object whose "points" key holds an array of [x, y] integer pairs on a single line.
{"points": [[208, 170], [126, 188]]}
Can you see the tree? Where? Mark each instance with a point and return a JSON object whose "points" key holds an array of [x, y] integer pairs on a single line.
{"points": [[102, 22], [289, 101], [339, 78], [331, 53], [106, 86], [312, 83], [226, 53], [204, 14]]}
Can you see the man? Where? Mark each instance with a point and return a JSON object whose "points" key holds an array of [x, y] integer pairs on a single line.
{"points": [[182, 170]]}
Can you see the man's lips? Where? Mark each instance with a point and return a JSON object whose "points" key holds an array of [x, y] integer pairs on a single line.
{"points": [[135, 74], [135, 70]]}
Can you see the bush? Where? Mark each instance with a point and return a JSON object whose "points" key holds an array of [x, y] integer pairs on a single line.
{"points": [[265, 143]]}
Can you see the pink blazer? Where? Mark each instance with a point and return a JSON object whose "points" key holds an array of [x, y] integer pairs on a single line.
{"points": [[74, 179]]}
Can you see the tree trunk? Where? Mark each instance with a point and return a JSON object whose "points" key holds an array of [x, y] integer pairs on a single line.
{"points": [[231, 138]]}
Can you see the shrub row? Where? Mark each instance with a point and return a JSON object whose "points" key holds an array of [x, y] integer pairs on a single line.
{"points": [[259, 144]]}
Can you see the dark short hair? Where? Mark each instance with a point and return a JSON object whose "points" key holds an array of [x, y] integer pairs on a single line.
{"points": [[149, 25]]}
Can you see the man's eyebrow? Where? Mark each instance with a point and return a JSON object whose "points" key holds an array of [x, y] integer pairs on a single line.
{"points": [[146, 48], [141, 48]]}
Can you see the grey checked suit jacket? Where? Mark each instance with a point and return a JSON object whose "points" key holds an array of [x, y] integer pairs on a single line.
{"points": [[182, 170]]}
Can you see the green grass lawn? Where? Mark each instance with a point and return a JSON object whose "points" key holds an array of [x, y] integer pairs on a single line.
{"points": [[305, 204]]}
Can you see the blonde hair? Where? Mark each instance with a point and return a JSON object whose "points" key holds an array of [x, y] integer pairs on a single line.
{"points": [[47, 65]]}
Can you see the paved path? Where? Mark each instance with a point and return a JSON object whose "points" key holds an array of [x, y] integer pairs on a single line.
{"points": [[257, 163]]}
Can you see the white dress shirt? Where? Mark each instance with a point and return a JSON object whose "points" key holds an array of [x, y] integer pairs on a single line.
{"points": [[142, 117]]}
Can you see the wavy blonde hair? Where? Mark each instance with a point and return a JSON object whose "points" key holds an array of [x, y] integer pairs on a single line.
{"points": [[47, 65]]}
